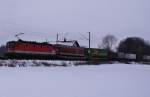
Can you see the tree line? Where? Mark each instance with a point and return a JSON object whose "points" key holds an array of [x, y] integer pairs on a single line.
{"points": [[134, 45]]}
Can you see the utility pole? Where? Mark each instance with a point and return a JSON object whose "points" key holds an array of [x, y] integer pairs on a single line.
{"points": [[89, 51], [89, 40], [57, 38]]}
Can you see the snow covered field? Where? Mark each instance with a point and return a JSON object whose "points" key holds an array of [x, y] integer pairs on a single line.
{"points": [[115, 80]]}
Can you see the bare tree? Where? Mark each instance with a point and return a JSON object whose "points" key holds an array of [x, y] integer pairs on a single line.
{"points": [[108, 42]]}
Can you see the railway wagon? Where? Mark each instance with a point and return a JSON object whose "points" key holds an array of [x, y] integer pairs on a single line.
{"points": [[99, 54], [31, 50], [70, 52], [126, 56]]}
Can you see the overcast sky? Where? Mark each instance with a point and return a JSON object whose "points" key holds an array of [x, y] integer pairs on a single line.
{"points": [[42, 19]]}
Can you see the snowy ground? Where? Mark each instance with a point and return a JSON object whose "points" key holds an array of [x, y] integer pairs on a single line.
{"points": [[33, 63], [115, 80]]}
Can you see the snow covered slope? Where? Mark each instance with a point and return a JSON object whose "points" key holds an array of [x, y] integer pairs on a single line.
{"points": [[116, 80]]}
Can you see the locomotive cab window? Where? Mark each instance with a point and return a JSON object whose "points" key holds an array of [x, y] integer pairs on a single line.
{"points": [[11, 45]]}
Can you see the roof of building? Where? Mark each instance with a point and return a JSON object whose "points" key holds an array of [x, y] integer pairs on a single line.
{"points": [[72, 43]]}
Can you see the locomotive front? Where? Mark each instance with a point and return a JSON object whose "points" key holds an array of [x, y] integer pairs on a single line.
{"points": [[30, 50]]}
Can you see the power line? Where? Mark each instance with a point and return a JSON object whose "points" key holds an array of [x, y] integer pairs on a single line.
{"points": [[83, 36]]}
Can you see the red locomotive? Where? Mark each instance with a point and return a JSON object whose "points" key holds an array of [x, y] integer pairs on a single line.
{"points": [[26, 49]]}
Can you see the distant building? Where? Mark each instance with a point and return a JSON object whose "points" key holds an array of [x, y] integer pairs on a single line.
{"points": [[72, 43]]}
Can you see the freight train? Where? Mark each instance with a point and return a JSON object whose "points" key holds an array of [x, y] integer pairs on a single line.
{"points": [[34, 50]]}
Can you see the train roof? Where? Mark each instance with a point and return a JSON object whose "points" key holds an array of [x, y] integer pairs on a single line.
{"points": [[58, 43], [31, 42]]}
